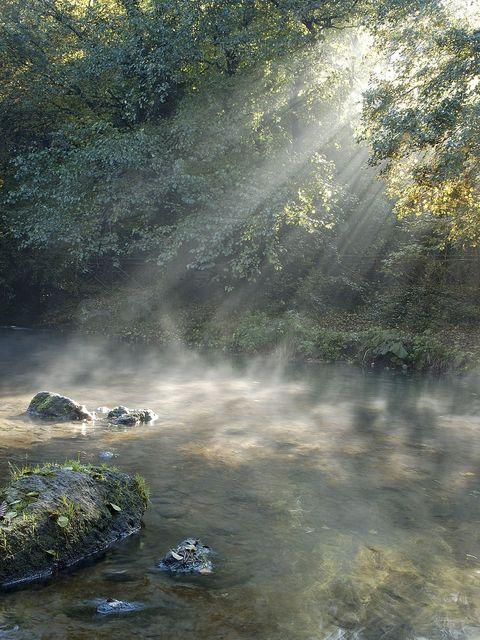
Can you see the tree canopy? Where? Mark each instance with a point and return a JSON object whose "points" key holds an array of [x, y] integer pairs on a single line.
{"points": [[424, 120], [218, 137]]}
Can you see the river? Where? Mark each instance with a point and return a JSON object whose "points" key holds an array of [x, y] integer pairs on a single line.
{"points": [[341, 504]]}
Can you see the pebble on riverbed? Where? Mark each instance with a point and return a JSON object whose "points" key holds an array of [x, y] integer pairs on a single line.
{"points": [[110, 605], [190, 556]]}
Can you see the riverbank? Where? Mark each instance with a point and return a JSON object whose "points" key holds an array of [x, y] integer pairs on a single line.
{"points": [[353, 337]]}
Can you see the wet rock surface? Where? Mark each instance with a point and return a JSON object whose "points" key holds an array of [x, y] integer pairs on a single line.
{"points": [[106, 455], [102, 410], [54, 406], [112, 606], [124, 416], [56, 516], [190, 556]]}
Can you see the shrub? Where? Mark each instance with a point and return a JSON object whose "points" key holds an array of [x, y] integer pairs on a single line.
{"points": [[256, 332]]}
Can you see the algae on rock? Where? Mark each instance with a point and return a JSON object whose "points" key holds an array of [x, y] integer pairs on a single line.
{"points": [[54, 406], [56, 516]]}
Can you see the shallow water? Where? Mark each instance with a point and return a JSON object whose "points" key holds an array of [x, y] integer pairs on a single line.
{"points": [[341, 504]]}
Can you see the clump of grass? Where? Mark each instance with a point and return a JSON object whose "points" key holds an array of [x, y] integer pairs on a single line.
{"points": [[49, 468], [142, 487], [17, 472], [25, 526]]}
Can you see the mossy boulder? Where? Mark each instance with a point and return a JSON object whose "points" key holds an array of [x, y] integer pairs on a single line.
{"points": [[54, 517], [54, 406]]}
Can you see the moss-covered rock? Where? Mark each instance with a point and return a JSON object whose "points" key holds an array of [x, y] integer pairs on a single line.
{"points": [[132, 417], [55, 516], [54, 406]]}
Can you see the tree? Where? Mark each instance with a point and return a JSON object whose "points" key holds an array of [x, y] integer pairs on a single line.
{"points": [[423, 120], [175, 131]]}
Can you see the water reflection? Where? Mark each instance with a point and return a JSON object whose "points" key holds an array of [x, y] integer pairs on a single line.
{"points": [[341, 505]]}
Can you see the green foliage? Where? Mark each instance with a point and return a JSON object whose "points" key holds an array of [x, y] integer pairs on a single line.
{"points": [[422, 352], [371, 347], [427, 353], [256, 332], [195, 162], [173, 130], [422, 118]]}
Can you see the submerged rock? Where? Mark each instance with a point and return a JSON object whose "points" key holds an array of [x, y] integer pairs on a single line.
{"points": [[54, 406], [54, 517], [8, 632], [106, 455], [190, 556], [110, 605], [132, 417]]}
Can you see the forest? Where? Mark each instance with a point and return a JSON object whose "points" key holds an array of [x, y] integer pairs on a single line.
{"points": [[245, 175]]}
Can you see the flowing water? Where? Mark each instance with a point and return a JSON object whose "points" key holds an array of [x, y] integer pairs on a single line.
{"points": [[341, 504]]}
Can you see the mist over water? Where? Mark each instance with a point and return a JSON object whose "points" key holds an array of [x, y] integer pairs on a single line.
{"points": [[327, 493]]}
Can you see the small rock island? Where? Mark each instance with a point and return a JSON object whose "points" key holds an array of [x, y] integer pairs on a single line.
{"points": [[53, 517]]}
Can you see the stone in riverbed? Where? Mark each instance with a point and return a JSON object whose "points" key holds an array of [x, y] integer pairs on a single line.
{"points": [[106, 455], [124, 416], [113, 414], [54, 406], [102, 410], [57, 516], [190, 556], [110, 605]]}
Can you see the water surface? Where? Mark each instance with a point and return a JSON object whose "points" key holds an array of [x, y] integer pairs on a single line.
{"points": [[341, 504]]}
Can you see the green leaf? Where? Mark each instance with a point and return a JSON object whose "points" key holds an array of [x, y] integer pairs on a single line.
{"points": [[115, 507], [399, 350], [63, 521], [10, 515]]}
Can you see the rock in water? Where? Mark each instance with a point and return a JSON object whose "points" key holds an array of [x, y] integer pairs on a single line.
{"points": [[190, 556], [60, 515], [117, 412], [102, 410], [54, 406], [110, 605], [106, 455], [132, 417]]}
